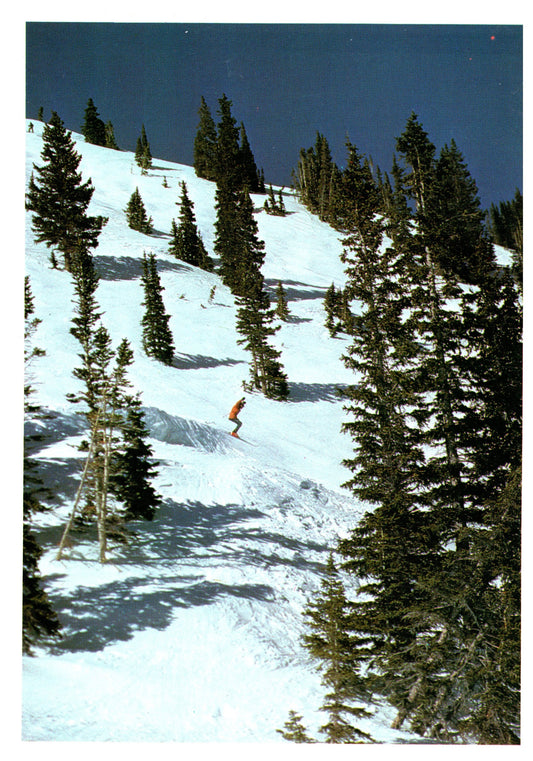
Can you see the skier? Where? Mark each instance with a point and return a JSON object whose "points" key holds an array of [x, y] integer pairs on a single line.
{"points": [[237, 407]]}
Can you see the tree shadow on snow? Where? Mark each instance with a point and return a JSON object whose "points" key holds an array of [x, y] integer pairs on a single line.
{"points": [[295, 291], [315, 392], [200, 361], [180, 542], [130, 267]]}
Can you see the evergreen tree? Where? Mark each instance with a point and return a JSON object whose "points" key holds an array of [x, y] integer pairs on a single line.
{"points": [[136, 214], [391, 547], [282, 309], [205, 144], [143, 155], [333, 644], [93, 128], [249, 172], [294, 730], [38, 617], [228, 153], [157, 336], [186, 243], [254, 315], [110, 141], [59, 199], [506, 228], [134, 467], [316, 180], [40, 114]]}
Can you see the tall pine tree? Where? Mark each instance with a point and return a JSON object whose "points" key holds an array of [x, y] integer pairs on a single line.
{"points": [[59, 199]]}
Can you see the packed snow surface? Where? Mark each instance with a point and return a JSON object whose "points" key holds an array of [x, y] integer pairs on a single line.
{"points": [[192, 633]]}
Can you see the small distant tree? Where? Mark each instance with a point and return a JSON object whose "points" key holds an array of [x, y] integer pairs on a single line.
{"points": [[59, 199], [273, 205], [186, 242], [143, 155], [205, 144], [136, 214], [157, 336], [40, 114], [282, 309], [294, 730], [110, 141], [93, 128]]}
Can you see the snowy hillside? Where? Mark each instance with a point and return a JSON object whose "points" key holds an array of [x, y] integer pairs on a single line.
{"points": [[192, 633]]}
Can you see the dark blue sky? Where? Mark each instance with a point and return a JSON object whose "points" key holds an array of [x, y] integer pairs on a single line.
{"points": [[288, 81]]}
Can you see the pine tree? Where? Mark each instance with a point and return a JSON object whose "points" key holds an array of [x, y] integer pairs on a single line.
{"points": [[134, 467], [59, 199], [157, 336], [93, 128], [228, 154], [186, 243], [282, 309], [136, 214], [205, 144], [294, 730], [110, 141], [143, 155], [249, 172], [391, 547], [38, 617], [333, 644]]}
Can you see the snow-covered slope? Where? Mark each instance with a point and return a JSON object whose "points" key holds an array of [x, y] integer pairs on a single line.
{"points": [[192, 633]]}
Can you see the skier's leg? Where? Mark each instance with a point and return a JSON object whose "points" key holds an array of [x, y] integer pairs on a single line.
{"points": [[237, 424]]}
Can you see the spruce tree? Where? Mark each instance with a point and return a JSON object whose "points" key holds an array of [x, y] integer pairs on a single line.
{"points": [[157, 336], [134, 467], [186, 243], [143, 154], [93, 128], [228, 154], [59, 199], [249, 172], [282, 309], [333, 644], [110, 141], [389, 550], [38, 616], [205, 144], [294, 730], [136, 214]]}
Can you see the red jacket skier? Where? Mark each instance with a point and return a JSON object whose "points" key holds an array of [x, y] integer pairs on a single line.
{"points": [[237, 407]]}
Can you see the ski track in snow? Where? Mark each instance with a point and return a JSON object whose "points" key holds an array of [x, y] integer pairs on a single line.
{"points": [[191, 632]]}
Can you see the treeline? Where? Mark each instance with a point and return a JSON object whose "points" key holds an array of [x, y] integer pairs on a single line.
{"points": [[319, 186], [422, 605]]}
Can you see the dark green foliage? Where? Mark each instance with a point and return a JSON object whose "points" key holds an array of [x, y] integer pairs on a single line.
{"points": [[143, 155], [157, 336], [186, 243], [134, 467], [38, 617], [333, 644], [250, 177], [339, 318], [205, 144], [275, 205], [93, 128], [506, 227], [242, 254], [59, 199], [316, 180], [294, 730], [222, 152], [40, 114], [282, 309], [228, 155], [436, 438], [136, 214], [110, 141]]}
